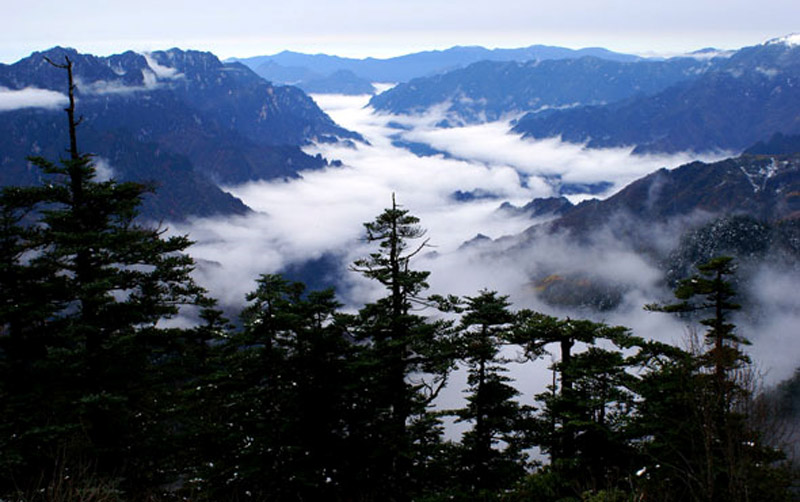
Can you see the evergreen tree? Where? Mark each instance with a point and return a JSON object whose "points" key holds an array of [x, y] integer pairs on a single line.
{"points": [[535, 332], [99, 346], [399, 344], [715, 289], [22, 285], [272, 417], [582, 423], [26, 302], [493, 448], [720, 455]]}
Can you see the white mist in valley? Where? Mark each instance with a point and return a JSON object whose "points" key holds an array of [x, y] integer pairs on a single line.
{"points": [[297, 220], [322, 213]]}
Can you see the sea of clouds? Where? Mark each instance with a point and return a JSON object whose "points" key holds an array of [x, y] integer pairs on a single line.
{"points": [[323, 211], [321, 214]]}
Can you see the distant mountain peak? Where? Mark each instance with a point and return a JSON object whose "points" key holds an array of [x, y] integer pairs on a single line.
{"points": [[57, 51], [705, 50], [791, 40], [294, 68]]}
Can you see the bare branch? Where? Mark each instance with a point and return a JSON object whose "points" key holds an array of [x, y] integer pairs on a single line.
{"points": [[57, 65], [420, 248]]}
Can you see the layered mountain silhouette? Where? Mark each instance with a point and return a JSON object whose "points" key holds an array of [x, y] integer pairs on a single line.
{"points": [[488, 91], [334, 74], [744, 99], [765, 187], [711, 101], [182, 119]]}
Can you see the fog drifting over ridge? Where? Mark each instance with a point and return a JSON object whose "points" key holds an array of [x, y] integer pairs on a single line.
{"points": [[322, 214]]}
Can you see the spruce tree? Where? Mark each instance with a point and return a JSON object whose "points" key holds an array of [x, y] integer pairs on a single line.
{"points": [[398, 344], [714, 288], [493, 447], [582, 421], [101, 351], [272, 416], [721, 455], [534, 333]]}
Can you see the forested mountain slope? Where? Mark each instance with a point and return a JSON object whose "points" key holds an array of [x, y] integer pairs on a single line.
{"points": [[747, 207], [760, 186]]}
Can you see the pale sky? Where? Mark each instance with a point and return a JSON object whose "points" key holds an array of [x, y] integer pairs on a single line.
{"points": [[383, 28]]}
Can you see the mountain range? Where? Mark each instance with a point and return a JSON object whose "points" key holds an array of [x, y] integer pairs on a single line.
{"points": [[741, 100], [489, 91], [182, 119], [190, 122], [332, 74], [711, 101]]}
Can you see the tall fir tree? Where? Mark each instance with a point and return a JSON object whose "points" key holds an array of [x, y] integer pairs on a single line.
{"points": [[399, 344], [722, 454], [581, 423], [272, 418], [493, 449], [100, 346]]}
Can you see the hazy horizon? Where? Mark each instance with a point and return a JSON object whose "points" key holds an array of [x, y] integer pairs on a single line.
{"points": [[357, 53], [384, 29]]}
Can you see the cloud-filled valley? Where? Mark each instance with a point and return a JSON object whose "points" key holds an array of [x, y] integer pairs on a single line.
{"points": [[321, 215], [301, 219]]}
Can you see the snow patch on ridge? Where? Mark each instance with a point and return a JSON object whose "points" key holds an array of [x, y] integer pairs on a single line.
{"points": [[792, 40], [759, 175]]}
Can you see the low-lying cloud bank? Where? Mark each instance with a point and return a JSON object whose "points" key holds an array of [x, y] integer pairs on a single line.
{"points": [[322, 214], [773, 330], [30, 97]]}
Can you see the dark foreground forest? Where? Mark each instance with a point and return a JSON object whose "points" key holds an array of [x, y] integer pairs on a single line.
{"points": [[120, 380]]}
